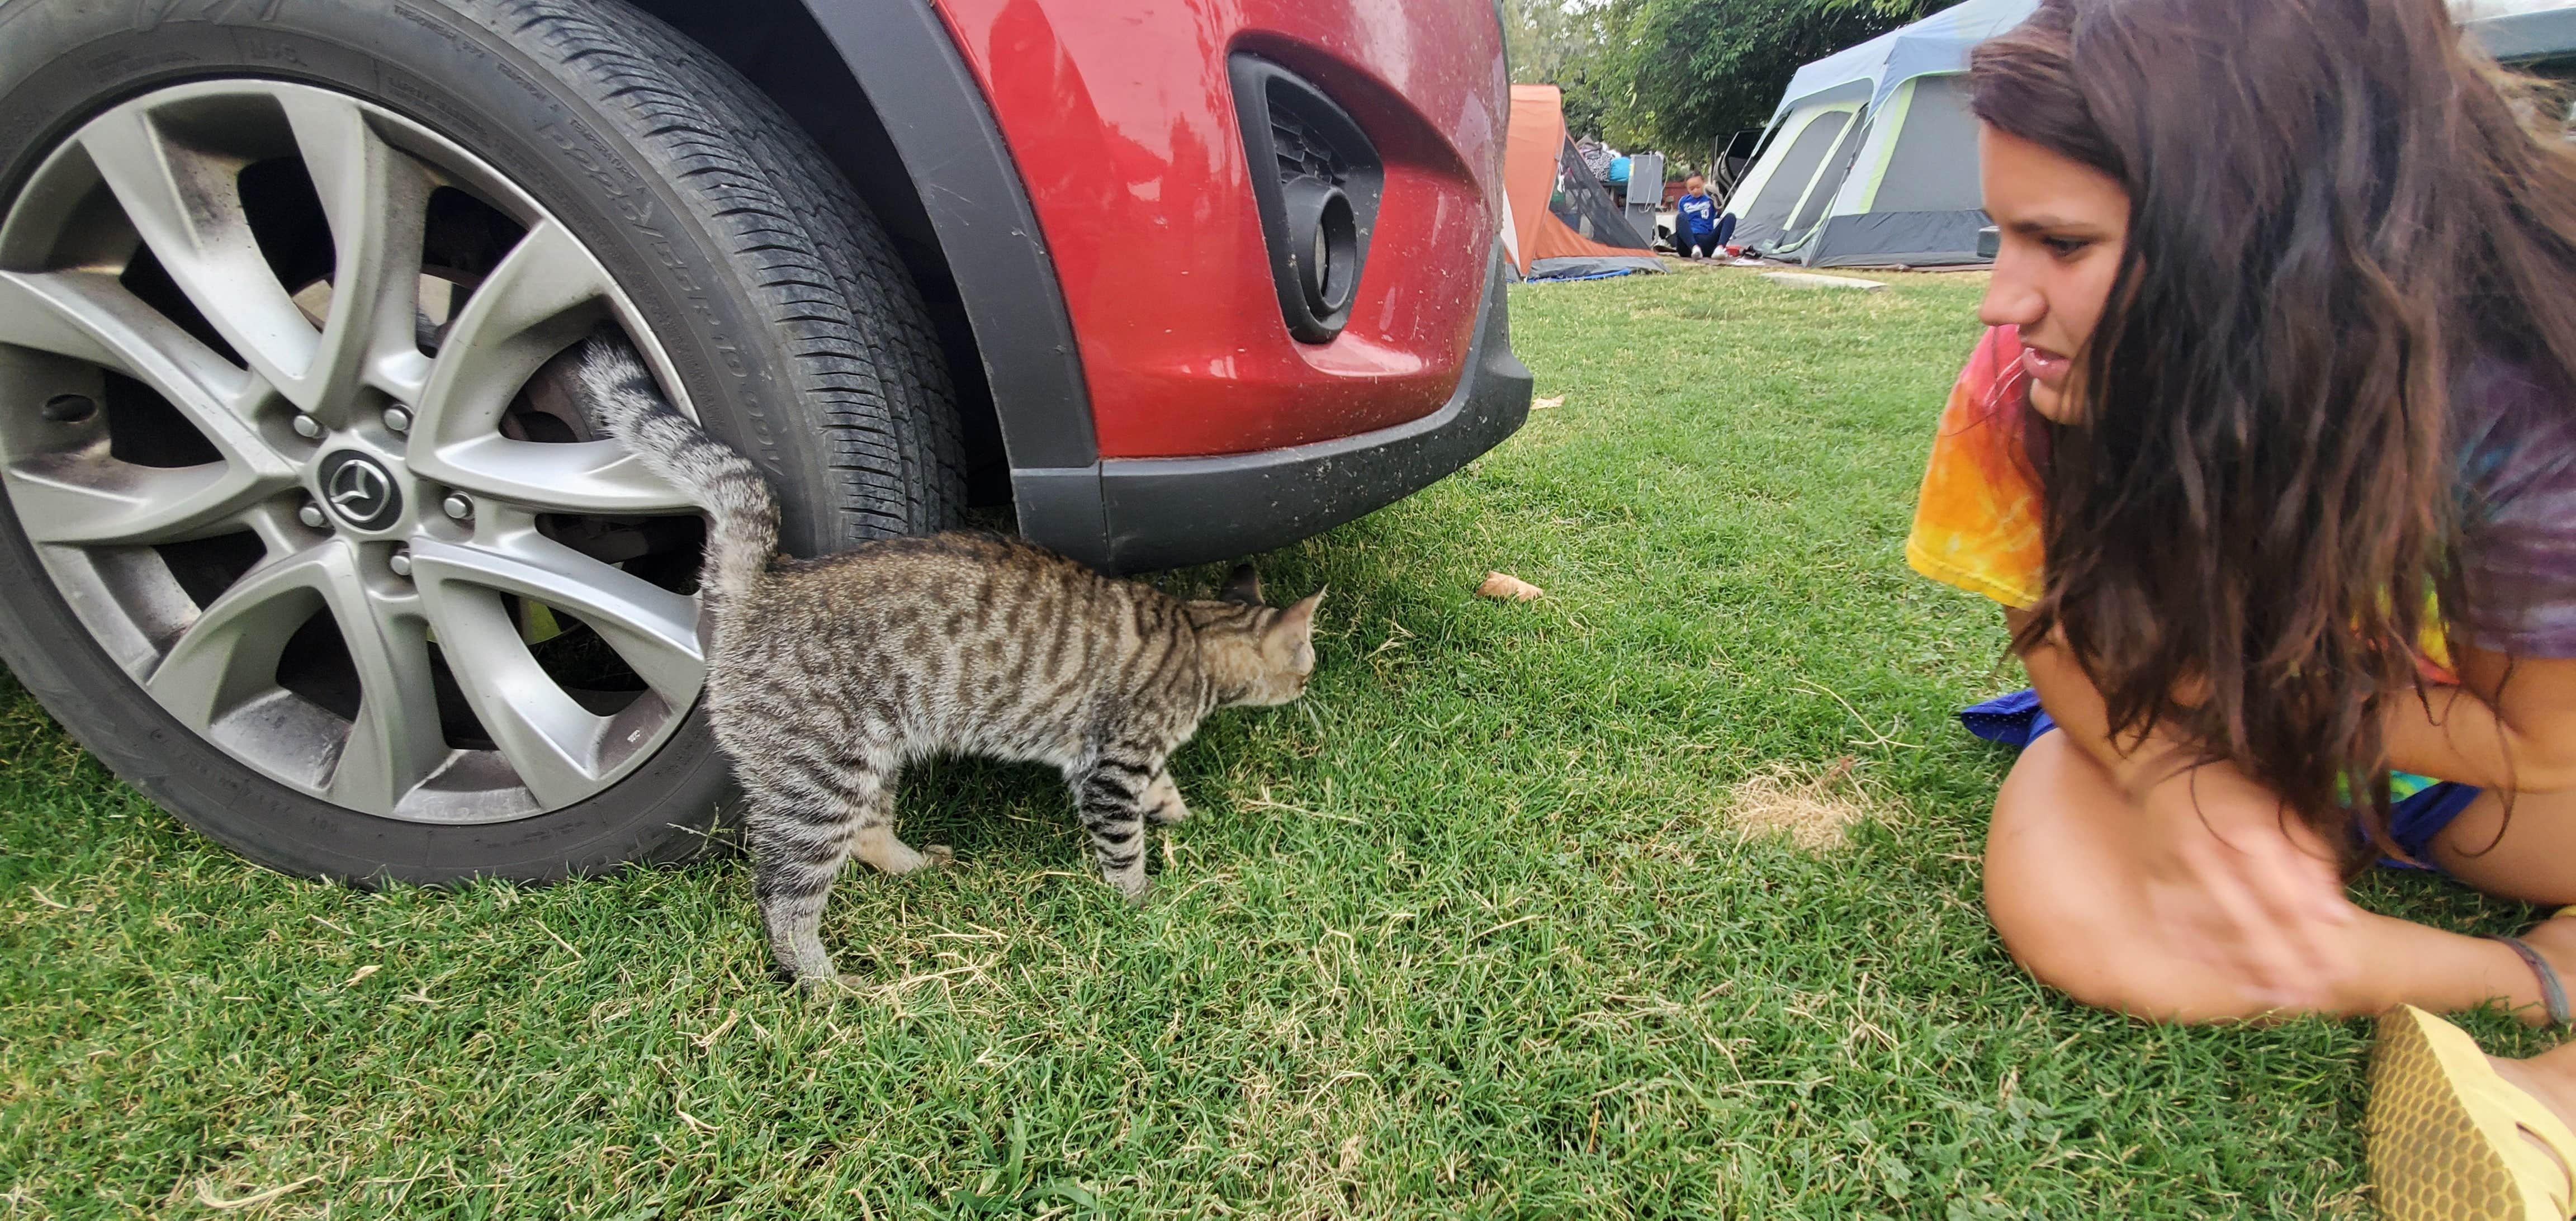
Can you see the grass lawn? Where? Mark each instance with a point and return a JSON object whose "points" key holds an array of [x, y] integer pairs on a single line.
{"points": [[1484, 935]]}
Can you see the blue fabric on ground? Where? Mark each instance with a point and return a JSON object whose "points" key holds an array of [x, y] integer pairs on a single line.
{"points": [[1598, 275], [2014, 720], [2415, 821], [2017, 720]]}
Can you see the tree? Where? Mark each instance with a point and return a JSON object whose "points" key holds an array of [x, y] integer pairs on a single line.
{"points": [[1683, 73], [1575, 46], [1542, 35], [1704, 68], [1901, 11]]}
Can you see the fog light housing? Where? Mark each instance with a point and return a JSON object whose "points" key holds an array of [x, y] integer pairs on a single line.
{"points": [[1317, 181], [1324, 243]]}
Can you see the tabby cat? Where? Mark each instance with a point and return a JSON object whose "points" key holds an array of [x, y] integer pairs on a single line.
{"points": [[825, 677]]}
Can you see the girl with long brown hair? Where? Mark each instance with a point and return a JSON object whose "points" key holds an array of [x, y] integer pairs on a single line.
{"points": [[2270, 455]]}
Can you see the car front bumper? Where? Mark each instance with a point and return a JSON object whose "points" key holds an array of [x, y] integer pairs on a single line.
{"points": [[1139, 514]]}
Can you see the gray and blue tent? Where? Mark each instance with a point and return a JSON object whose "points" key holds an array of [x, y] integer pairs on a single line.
{"points": [[1871, 158], [2537, 35]]}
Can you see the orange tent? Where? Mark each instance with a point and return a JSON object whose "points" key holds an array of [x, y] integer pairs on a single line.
{"points": [[1536, 178]]}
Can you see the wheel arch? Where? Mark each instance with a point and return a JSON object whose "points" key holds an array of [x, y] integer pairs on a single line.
{"points": [[879, 84]]}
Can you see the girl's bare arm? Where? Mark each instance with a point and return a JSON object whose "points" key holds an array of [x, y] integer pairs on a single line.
{"points": [[2511, 725]]}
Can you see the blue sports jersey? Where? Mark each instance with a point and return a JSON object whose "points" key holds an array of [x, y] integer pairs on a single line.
{"points": [[1699, 213]]}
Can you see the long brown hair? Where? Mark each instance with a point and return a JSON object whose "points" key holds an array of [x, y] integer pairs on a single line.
{"points": [[2335, 207]]}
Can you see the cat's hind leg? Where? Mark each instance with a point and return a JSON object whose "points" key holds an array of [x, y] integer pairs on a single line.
{"points": [[801, 833], [798, 841], [1112, 795]]}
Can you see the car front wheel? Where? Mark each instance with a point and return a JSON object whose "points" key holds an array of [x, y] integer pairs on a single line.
{"points": [[306, 534]]}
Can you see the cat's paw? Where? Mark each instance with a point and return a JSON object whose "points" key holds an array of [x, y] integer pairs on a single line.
{"points": [[939, 856], [829, 984], [1163, 802], [895, 857]]}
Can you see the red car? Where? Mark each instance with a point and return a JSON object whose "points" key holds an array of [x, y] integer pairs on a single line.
{"points": [[306, 536]]}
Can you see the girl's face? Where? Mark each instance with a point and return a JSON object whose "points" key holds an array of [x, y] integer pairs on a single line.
{"points": [[2065, 226]]}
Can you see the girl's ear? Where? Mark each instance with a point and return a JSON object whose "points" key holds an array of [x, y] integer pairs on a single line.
{"points": [[1242, 585]]}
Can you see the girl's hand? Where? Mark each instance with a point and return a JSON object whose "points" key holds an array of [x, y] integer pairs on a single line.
{"points": [[2246, 889]]}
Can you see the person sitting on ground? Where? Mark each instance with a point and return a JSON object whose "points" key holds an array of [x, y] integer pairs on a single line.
{"points": [[1695, 220], [2269, 455]]}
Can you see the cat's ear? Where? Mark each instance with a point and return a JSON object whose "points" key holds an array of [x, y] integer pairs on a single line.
{"points": [[1243, 585], [1300, 618], [1290, 638]]}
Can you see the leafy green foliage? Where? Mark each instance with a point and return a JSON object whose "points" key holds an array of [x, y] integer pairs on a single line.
{"points": [[1679, 74], [1571, 47]]}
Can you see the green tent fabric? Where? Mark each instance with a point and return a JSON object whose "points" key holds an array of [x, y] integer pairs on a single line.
{"points": [[1872, 159]]}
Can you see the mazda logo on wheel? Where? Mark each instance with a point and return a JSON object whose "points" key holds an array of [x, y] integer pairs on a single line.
{"points": [[360, 490]]}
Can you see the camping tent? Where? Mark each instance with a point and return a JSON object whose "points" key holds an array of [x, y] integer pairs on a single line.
{"points": [[1872, 153], [2520, 31], [1872, 158], [1559, 223]]}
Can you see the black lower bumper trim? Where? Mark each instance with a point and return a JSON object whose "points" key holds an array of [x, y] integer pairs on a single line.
{"points": [[1139, 514]]}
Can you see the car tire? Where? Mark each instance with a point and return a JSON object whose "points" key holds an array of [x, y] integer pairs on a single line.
{"points": [[769, 299]]}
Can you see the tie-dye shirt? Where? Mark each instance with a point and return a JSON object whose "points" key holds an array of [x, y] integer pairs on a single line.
{"points": [[1977, 524]]}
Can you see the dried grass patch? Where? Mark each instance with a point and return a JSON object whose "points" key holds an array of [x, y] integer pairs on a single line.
{"points": [[1813, 808]]}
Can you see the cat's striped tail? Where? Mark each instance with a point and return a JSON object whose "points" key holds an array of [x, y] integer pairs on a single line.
{"points": [[624, 400]]}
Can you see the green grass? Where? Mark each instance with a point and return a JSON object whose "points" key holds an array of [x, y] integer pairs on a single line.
{"points": [[1476, 938]]}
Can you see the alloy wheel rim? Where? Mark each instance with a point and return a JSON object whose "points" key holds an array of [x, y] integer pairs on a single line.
{"points": [[281, 412]]}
